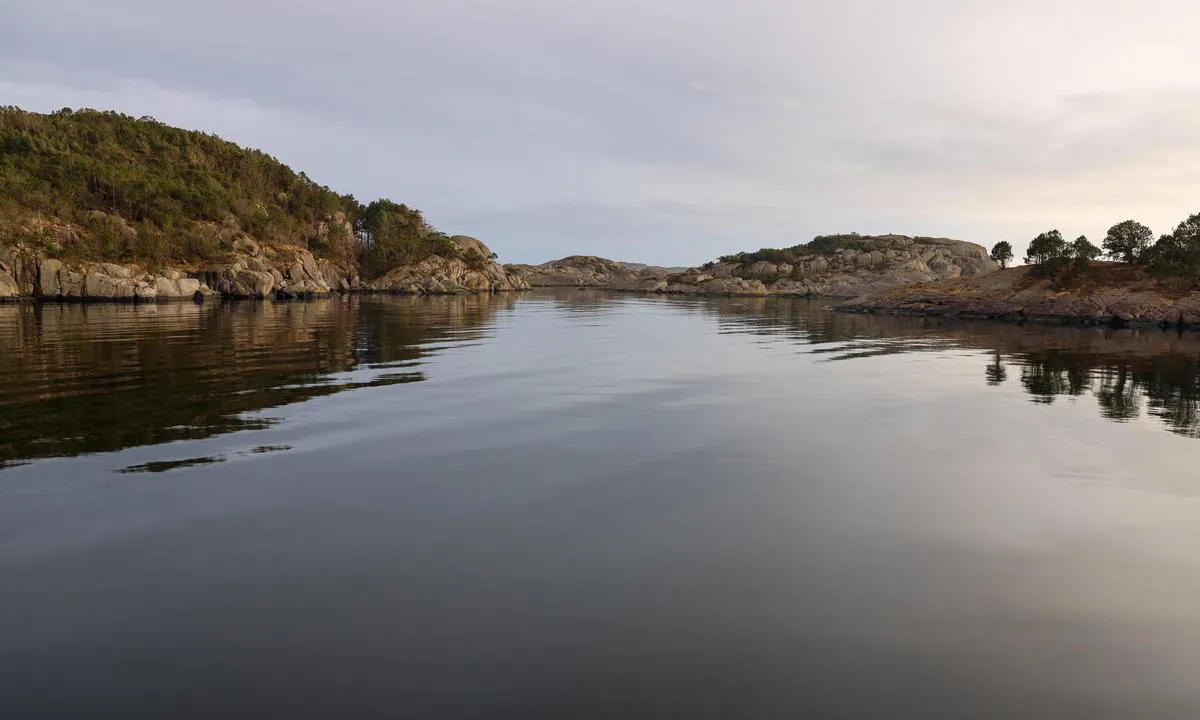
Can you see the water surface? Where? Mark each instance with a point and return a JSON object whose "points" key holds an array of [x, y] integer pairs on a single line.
{"points": [[589, 505]]}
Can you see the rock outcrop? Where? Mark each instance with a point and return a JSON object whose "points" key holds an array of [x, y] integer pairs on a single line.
{"points": [[250, 271], [56, 280], [874, 263], [586, 271], [288, 272], [1107, 294], [472, 269]]}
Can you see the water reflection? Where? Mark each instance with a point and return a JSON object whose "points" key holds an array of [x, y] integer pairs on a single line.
{"points": [[1129, 372], [88, 379], [81, 379], [1166, 384]]}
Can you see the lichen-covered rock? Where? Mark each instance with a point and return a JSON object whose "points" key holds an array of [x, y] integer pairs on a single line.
{"points": [[439, 275]]}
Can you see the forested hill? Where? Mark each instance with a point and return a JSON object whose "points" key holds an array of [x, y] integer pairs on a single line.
{"points": [[105, 186]]}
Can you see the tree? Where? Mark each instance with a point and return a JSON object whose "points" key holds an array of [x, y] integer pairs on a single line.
{"points": [[1002, 253], [1084, 252], [1127, 241], [1178, 253], [1045, 248]]}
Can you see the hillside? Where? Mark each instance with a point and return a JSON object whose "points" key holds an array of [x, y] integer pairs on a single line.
{"points": [[93, 190], [1108, 293], [588, 271]]}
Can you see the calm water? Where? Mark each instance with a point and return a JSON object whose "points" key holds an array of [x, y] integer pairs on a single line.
{"points": [[582, 505]]}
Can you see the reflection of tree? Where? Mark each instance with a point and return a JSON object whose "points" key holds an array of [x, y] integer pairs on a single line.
{"points": [[96, 378], [1119, 368], [1055, 373], [1043, 383], [996, 373], [1171, 384], [1118, 394]]}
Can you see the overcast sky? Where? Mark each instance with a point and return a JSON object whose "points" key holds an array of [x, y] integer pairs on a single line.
{"points": [[665, 131]]}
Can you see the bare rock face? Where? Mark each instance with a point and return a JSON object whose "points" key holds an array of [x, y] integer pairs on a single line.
{"points": [[111, 281], [469, 246], [586, 271], [704, 282], [875, 263], [439, 275], [1108, 294], [878, 263], [251, 271], [285, 273]]}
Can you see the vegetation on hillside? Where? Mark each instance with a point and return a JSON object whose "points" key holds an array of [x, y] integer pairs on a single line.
{"points": [[1175, 254], [820, 245], [106, 186]]}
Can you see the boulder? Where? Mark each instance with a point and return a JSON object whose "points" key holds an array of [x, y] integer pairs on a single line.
{"points": [[100, 286], [166, 287], [439, 275], [50, 278], [8, 286], [467, 245]]}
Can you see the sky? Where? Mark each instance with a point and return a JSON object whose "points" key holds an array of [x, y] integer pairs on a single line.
{"points": [[665, 131]]}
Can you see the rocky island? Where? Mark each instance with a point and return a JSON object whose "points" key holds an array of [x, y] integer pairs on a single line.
{"points": [[1143, 284], [834, 265], [102, 206]]}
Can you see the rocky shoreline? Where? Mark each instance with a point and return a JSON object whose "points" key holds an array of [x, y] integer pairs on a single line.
{"points": [[1109, 294], [875, 263], [251, 271]]}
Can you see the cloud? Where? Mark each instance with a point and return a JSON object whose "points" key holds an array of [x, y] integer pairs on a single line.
{"points": [[664, 131]]}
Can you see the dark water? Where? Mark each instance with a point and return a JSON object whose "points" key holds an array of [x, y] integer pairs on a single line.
{"points": [[581, 505]]}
